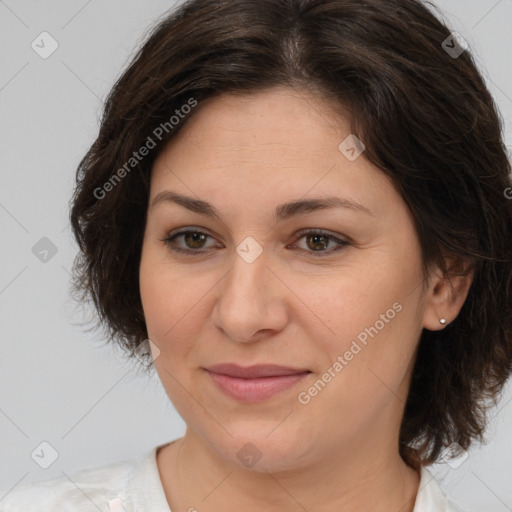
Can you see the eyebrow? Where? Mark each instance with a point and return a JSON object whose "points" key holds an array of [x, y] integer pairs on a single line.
{"points": [[282, 212]]}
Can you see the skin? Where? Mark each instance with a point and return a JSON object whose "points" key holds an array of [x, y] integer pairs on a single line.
{"points": [[245, 155]]}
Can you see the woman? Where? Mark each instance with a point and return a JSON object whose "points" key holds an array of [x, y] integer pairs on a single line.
{"points": [[303, 205]]}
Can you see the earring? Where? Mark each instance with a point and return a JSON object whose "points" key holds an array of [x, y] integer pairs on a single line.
{"points": [[442, 321]]}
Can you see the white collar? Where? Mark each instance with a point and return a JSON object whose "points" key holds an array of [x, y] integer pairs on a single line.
{"points": [[430, 497]]}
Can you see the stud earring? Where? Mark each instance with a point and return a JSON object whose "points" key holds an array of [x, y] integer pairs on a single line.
{"points": [[442, 321]]}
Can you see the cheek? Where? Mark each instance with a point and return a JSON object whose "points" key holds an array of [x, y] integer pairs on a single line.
{"points": [[172, 306], [167, 301], [169, 317], [370, 320], [363, 373], [175, 305], [343, 305], [169, 313]]}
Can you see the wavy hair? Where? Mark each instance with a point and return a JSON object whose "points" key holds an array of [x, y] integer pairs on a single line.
{"points": [[427, 120]]}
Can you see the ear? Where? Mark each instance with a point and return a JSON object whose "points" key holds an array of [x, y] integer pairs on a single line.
{"points": [[446, 295]]}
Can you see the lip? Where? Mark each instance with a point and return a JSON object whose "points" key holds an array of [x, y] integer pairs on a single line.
{"points": [[254, 383]]}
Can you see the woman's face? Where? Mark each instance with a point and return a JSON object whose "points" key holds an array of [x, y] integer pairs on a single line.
{"points": [[333, 293]]}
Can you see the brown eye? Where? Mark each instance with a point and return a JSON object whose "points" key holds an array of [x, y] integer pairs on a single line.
{"points": [[317, 243], [193, 241]]}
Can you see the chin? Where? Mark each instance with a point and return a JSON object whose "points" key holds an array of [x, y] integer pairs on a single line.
{"points": [[256, 450]]}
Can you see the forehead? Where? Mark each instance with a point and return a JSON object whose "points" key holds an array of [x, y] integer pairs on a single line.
{"points": [[275, 145], [279, 115]]}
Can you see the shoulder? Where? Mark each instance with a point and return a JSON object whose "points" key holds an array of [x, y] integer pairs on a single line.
{"points": [[430, 497], [82, 491]]}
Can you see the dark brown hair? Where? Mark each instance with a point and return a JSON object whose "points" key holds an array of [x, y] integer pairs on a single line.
{"points": [[427, 121]]}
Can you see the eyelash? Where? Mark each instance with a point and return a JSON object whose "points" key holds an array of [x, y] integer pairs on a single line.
{"points": [[341, 243]]}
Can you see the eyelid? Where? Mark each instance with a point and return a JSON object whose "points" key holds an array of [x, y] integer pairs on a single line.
{"points": [[172, 235], [339, 239], [320, 231]]}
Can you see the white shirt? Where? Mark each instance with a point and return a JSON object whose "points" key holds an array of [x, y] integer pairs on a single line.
{"points": [[135, 486]]}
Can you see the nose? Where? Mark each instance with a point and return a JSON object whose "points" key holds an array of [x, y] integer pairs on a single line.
{"points": [[250, 303]]}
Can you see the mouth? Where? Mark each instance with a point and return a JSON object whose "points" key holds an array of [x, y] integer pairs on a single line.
{"points": [[255, 383]]}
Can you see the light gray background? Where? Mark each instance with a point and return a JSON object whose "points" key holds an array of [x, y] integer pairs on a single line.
{"points": [[60, 384]]}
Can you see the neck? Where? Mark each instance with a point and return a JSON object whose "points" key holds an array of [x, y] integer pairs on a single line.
{"points": [[196, 477]]}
